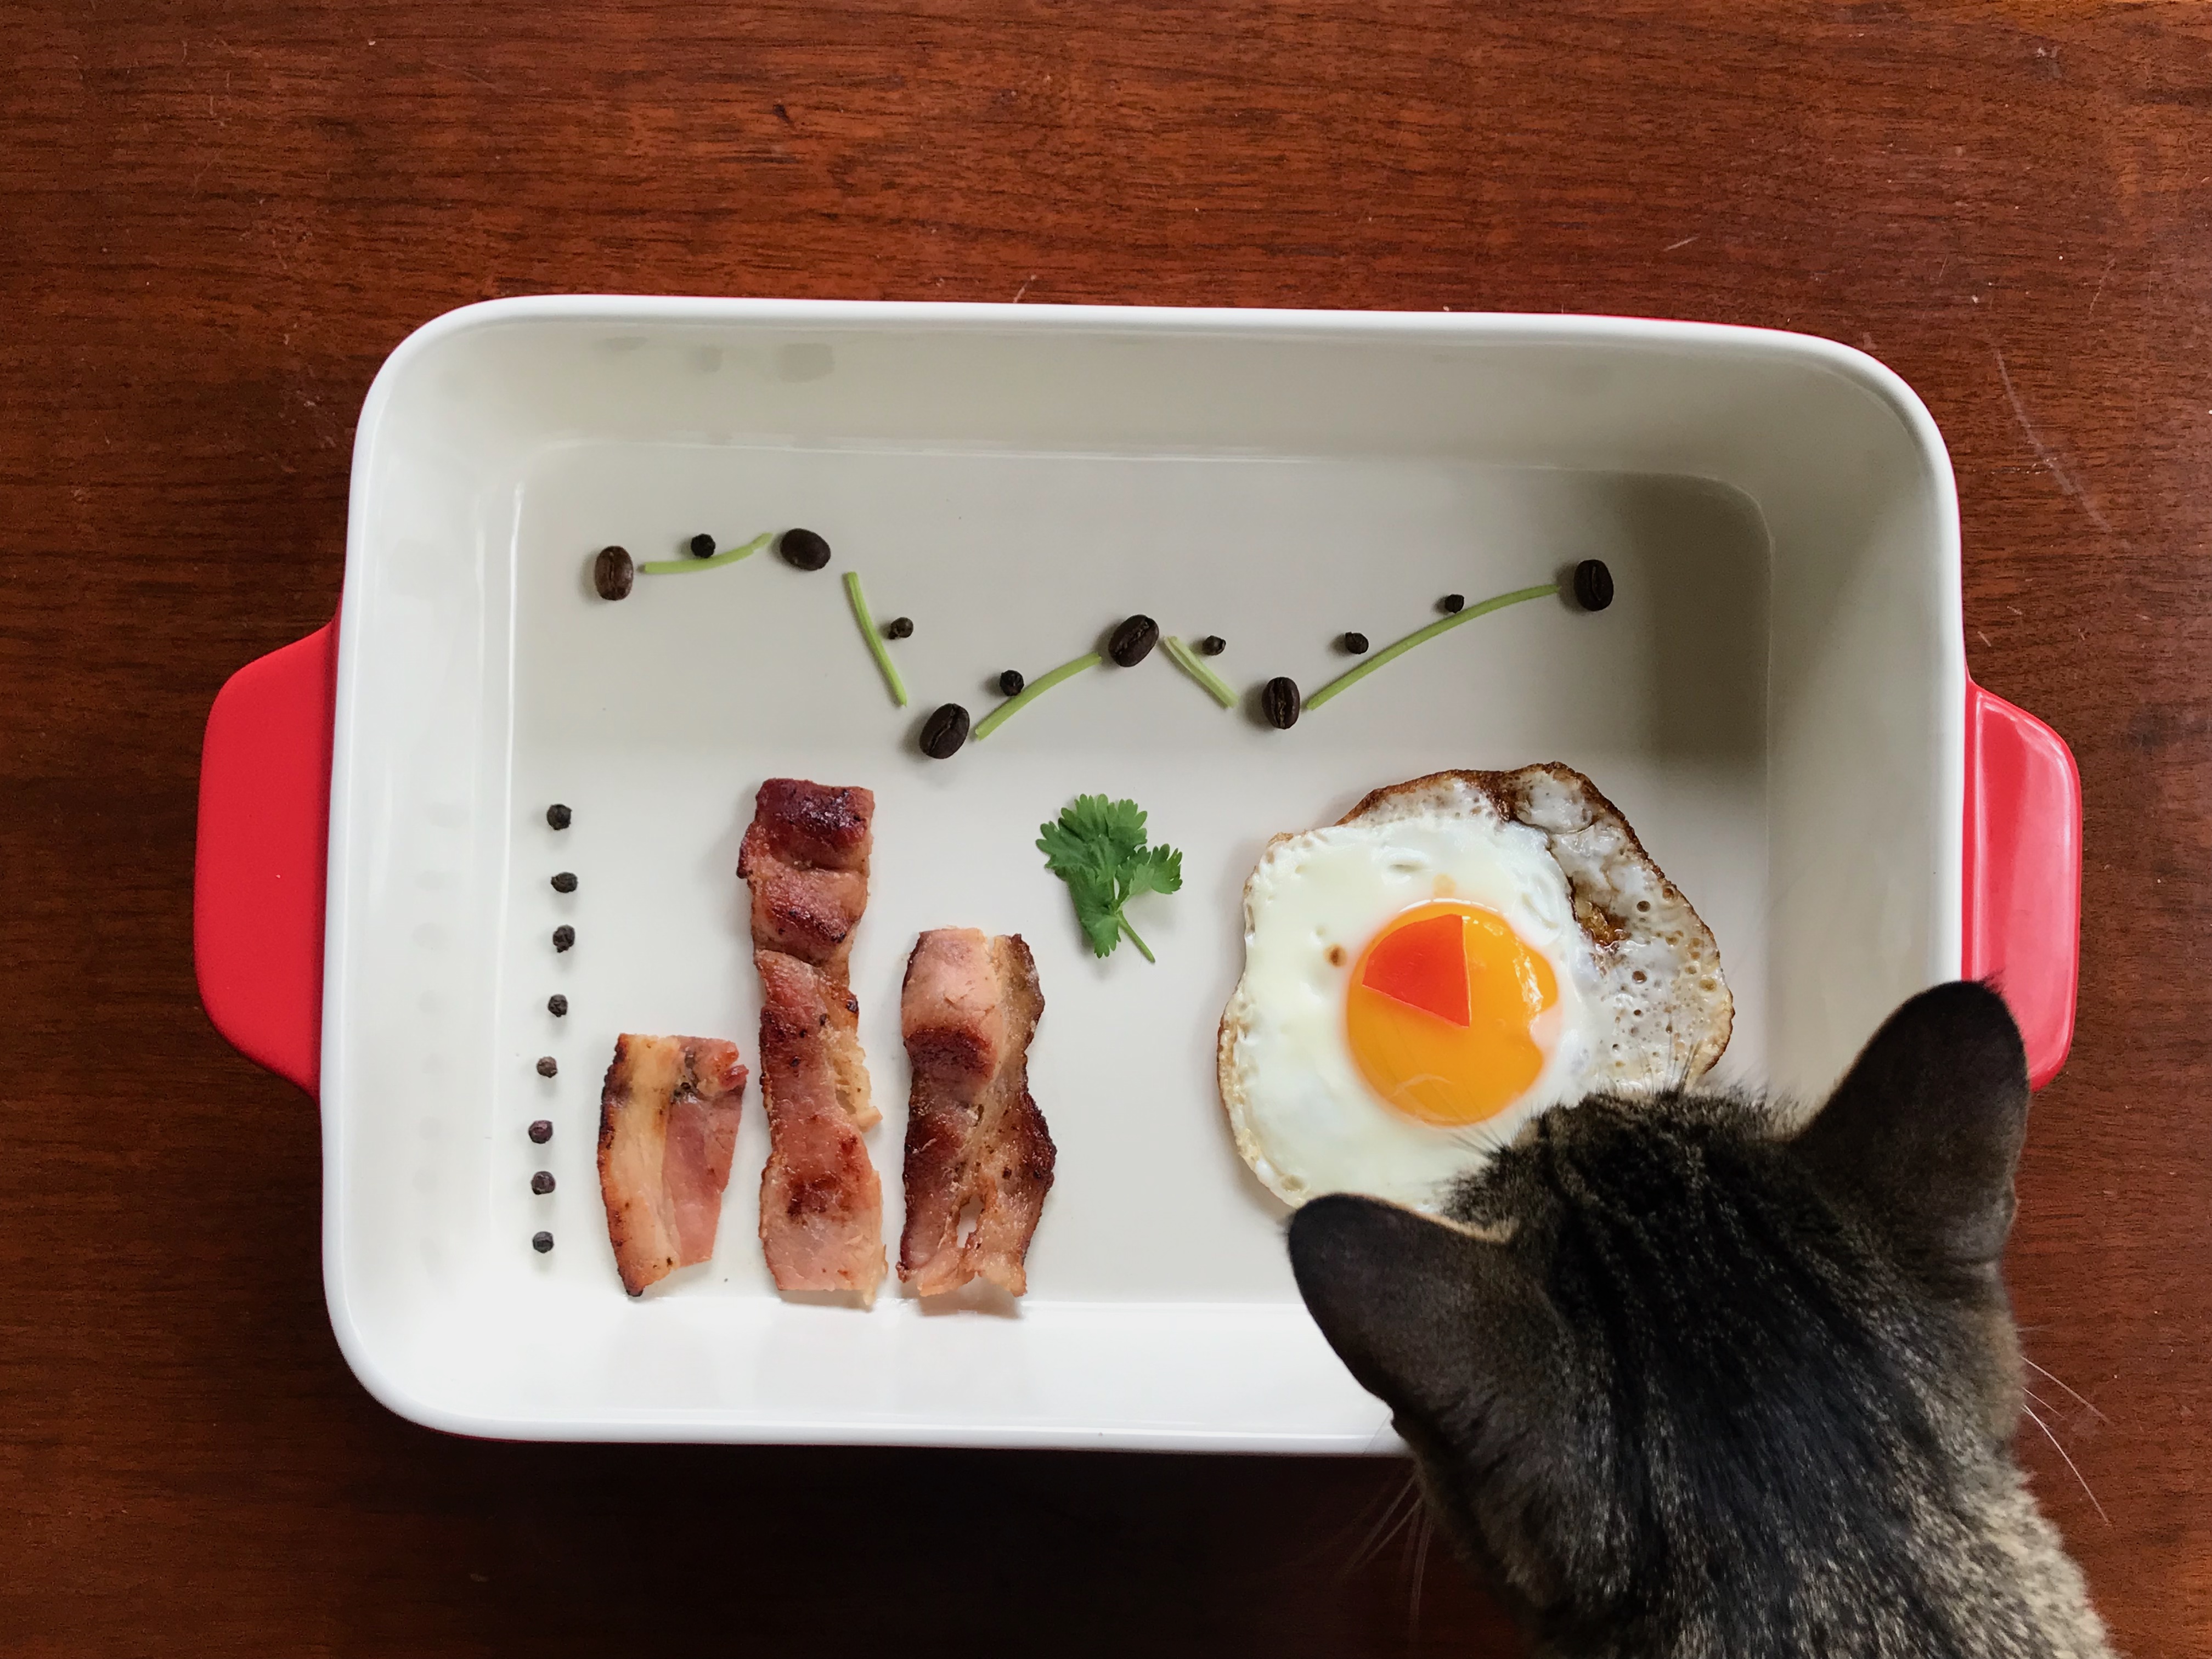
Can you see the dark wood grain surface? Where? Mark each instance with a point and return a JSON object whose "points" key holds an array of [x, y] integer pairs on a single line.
{"points": [[216, 219]]}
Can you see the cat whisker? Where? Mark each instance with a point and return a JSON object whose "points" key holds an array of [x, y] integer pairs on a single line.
{"points": [[2061, 1450], [1371, 1538], [1379, 1521], [1425, 1535], [2070, 1388], [1480, 1138], [1397, 1528], [2031, 1395], [1373, 1515], [1402, 1509]]}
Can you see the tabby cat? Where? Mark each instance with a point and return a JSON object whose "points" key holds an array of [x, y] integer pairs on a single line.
{"points": [[1681, 1385]]}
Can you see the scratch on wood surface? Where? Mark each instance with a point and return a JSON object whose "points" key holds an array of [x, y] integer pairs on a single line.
{"points": [[2066, 484], [2099, 294], [1671, 246], [1025, 288]]}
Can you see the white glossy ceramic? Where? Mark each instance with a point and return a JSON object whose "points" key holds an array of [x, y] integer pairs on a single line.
{"points": [[1775, 701]]}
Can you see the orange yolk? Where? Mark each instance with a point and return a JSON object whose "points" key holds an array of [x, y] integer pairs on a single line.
{"points": [[1439, 1011]]}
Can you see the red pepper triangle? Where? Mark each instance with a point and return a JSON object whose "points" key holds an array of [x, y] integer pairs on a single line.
{"points": [[1423, 964]]}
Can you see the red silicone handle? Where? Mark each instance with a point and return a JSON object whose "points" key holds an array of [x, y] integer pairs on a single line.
{"points": [[258, 877], [2023, 872]]}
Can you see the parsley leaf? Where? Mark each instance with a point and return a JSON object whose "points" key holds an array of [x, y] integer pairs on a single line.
{"points": [[1157, 870], [1097, 847]]}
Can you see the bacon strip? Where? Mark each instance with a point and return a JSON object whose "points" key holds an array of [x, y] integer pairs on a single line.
{"points": [[974, 1139], [805, 858], [668, 1122]]}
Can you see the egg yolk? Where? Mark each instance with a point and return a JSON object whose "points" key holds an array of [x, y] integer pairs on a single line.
{"points": [[1439, 1011]]}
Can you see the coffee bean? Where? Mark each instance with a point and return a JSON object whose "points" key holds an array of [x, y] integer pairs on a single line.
{"points": [[1212, 645], [541, 1182], [557, 1005], [563, 937], [541, 1243], [1452, 603], [943, 732], [1011, 682], [1279, 701], [564, 883], [899, 627], [1356, 644], [558, 816], [542, 1131], [803, 549], [1593, 585], [1134, 641], [613, 572]]}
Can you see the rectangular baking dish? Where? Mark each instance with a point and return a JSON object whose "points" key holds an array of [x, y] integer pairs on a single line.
{"points": [[1778, 700]]}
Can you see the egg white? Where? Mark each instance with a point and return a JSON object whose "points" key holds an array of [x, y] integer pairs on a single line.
{"points": [[1306, 1119]]}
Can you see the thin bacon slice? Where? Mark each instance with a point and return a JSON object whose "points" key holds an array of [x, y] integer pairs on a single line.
{"points": [[668, 1122], [805, 858], [822, 1205], [976, 1146]]}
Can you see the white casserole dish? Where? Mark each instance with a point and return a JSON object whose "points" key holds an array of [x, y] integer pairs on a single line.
{"points": [[1779, 701]]}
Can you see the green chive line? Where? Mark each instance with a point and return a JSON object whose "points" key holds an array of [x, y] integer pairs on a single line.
{"points": [[874, 636], [685, 566], [1194, 666], [1029, 693], [1442, 625]]}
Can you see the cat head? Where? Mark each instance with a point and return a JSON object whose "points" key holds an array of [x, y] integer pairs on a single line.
{"points": [[1659, 1357]]}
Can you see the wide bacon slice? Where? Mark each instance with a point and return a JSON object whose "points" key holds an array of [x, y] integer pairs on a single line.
{"points": [[805, 858], [977, 1149], [668, 1122]]}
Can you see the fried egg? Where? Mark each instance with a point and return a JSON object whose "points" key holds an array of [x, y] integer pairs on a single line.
{"points": [[1455, 955]]}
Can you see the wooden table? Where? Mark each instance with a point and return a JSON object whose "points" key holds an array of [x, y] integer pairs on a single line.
{"points": [[216, 219]]}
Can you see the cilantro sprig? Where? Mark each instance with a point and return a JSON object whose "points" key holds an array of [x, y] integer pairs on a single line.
{"points": [[1097, 847]]}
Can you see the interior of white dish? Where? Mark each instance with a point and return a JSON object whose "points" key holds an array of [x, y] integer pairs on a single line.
{"points": [[1774, 701]]}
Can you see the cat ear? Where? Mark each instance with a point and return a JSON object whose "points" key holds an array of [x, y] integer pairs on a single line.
{"points": [[1428, 1317], [1926, 1126]]}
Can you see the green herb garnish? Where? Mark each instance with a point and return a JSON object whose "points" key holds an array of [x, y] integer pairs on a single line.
{"points": [[874, 636], [728, 556], [1194, 666], [1097, 847], [1442, 625], [1029, 693]]}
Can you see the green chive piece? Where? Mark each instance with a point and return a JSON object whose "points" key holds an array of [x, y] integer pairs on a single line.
{"points": [[874, 636], [728, 556], [1029, 693], [1194, 666], [1442, 625]]}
